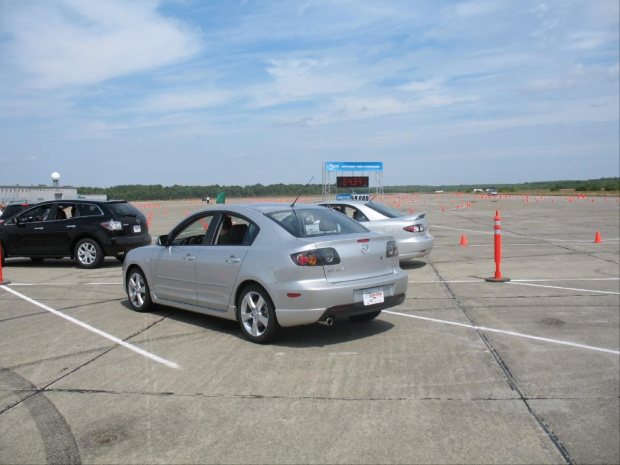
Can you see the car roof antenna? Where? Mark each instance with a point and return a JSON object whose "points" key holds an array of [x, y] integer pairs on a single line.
{"points": [[295, 201]]}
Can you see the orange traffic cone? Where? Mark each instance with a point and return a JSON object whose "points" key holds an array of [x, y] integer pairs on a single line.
{"points": [[597, 238], [2, 281], [463, 240], [443, 209]]}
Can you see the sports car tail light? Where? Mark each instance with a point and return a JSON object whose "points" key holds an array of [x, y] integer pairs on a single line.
{"points": [[113, 225], [391, 250], [415, 228], [318, 257]]}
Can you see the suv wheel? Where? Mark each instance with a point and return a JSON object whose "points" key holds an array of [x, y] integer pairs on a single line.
{"points": [[88, 253]]}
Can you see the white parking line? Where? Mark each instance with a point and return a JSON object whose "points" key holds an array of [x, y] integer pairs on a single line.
{"points": [[93, 329], [482, 281], [511, 333], [564, 288], [508, 234], [67, 284]]}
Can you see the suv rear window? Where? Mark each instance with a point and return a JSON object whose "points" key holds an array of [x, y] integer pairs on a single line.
{"points": [[89, 210], [123, 209], [313, 222]]}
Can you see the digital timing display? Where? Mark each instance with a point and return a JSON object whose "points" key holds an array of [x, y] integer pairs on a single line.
{"points": [[351, 181]]}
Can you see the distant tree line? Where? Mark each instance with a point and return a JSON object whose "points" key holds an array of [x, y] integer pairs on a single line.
{"points": [[590, 185], [136, 192]]}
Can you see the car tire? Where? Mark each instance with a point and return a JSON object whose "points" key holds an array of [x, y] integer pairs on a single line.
{"points": [[365, 316], [3, 255], [256, 315], [88, 253], [138, 291]]}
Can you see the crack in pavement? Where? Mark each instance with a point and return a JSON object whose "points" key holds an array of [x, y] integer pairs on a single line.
{"points": [[507, 374]]}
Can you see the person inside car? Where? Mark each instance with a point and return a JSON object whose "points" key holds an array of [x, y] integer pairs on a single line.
{"points": [[224, 236]]}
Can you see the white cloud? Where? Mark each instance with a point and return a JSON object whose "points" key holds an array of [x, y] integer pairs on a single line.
{"points": [[477, 8], [299, 78], [181, 100], [67, 42], [422, 86], [589, 40]]}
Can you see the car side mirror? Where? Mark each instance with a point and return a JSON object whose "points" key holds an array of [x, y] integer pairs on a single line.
{"points": [[163, 240]]}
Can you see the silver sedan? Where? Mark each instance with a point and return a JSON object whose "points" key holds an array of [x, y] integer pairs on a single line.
{"points": [[268, 266], [410, 231]]}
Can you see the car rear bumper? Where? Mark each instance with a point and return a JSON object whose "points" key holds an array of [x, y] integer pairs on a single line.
{"points": [[123, 244], [320, 299], [416, 247]]}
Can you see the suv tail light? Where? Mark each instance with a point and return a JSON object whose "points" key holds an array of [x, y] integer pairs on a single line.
{"points": [[318, 257], [391, 249], [415, 228], [113, 225]]}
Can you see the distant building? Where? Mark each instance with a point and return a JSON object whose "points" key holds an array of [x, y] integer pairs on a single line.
{"points": [[33, 194]]}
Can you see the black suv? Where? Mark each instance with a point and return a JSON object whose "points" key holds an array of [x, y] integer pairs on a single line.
{"points": [[85, 230]]}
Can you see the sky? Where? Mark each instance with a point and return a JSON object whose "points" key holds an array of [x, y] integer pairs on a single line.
{"points": [[244, 92]]}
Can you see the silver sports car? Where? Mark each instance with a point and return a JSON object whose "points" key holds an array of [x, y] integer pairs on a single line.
{"points": [[409, 231], [268, 266]]}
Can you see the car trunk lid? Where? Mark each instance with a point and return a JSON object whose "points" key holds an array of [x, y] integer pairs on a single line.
{"points": [[361, 257]]}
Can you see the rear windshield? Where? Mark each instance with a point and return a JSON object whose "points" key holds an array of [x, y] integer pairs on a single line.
{"points": [[302, 222], [385, 211], [123, 209], [12, 209]]}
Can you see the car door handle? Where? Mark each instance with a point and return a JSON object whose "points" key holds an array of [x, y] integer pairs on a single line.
{"points": [[71, 226], [233, 259], [189, 258], [39, 228]]}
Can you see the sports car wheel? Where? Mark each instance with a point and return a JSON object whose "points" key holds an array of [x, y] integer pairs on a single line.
{"points": [[256, 315], [88, 253], [138, 291]]}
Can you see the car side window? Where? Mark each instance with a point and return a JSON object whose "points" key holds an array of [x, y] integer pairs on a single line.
{"points": [[235, 230], [36, 214], [85, 209], [357, 215], [194, 232], [65, 211]]}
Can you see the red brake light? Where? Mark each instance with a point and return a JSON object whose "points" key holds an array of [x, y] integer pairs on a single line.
{"points": [[415, 228], [318, 257]]}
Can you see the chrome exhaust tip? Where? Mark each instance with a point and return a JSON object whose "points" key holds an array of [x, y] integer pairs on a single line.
{"points": [[327, 321]]}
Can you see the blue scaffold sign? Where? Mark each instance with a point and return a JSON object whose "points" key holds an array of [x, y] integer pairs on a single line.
{"points": [[365, 197], [353, 166]]}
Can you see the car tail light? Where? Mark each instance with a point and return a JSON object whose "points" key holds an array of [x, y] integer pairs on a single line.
{"points": [[415, 228], [391, 250], [113, 225], [318, 257]]}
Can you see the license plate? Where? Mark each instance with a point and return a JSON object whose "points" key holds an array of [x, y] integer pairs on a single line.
{"points": [[136, 228], [373, 296]]}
